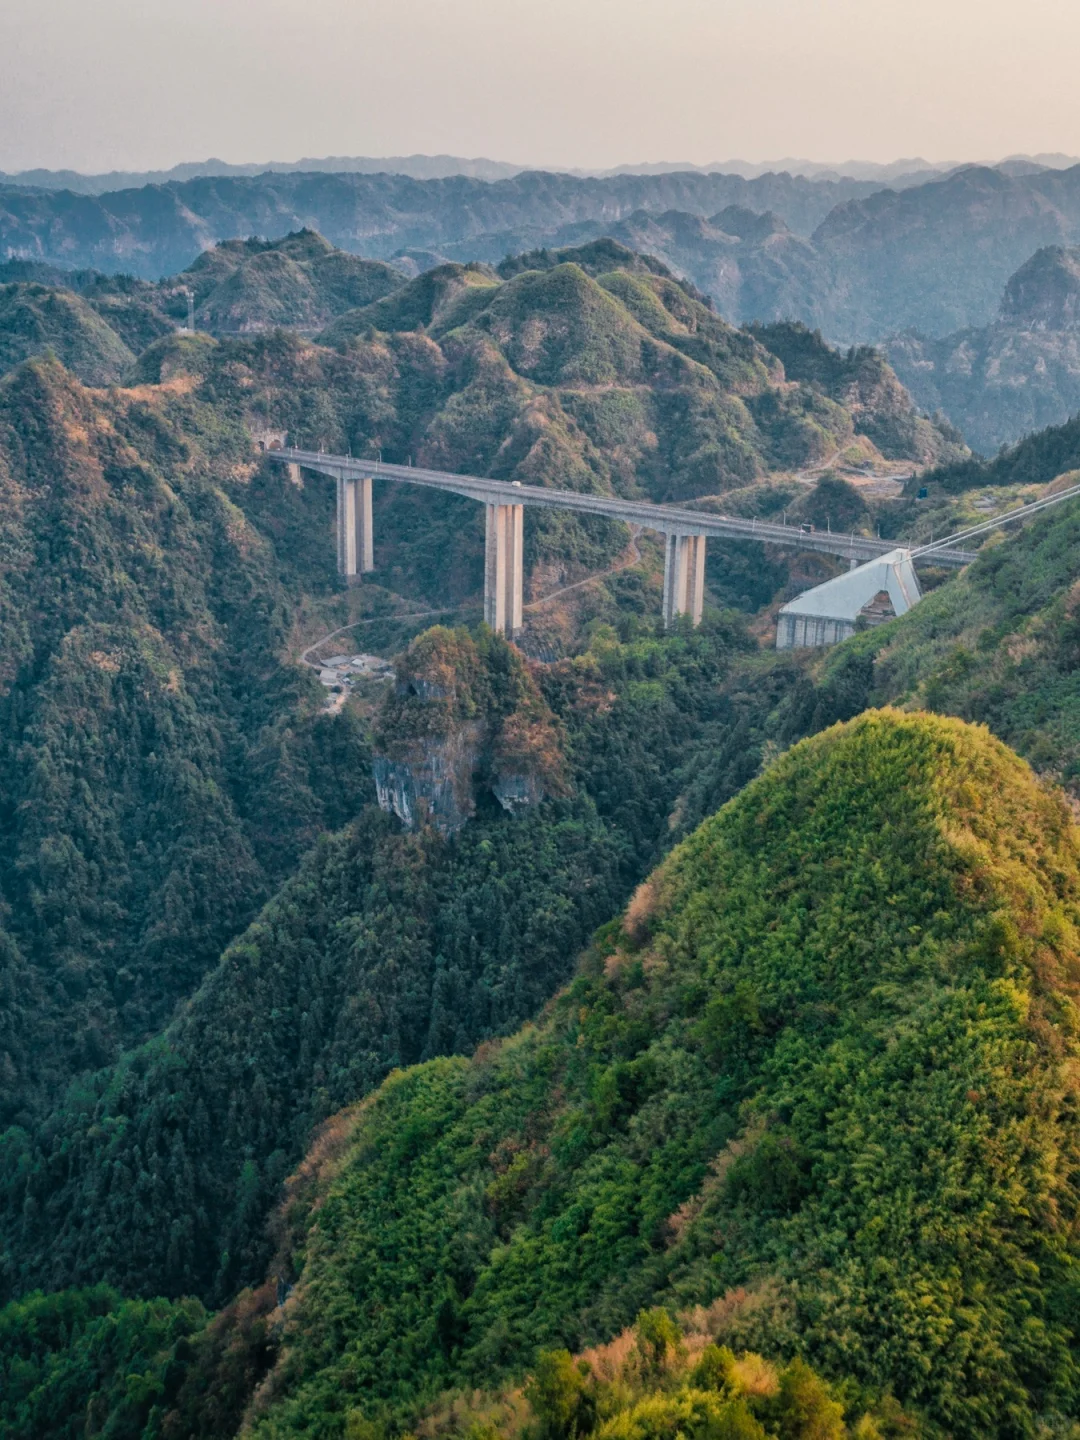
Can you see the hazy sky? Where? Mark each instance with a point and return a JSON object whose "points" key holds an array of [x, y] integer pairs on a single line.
{"points": [[140, 84]]}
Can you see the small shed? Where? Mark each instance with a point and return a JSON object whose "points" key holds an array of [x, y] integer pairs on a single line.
{"points": [[874, 592]]}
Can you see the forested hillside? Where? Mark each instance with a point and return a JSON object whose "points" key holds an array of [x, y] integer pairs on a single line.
{"points": [[218, 953], [35, 319], [691, 722], [860, 965], [160, 770], [154, 567], [996, 645], [843, 1007], [299, 282], [97, 324], [1037, 459], [383, 950]]}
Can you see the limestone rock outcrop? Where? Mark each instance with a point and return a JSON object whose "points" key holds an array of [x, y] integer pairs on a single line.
{"points": [[465, 716]]}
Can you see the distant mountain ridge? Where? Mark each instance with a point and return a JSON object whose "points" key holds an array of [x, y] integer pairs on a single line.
{"points": [[419, 167], [438, 167], [934, 257], [845, 256], [158, 230]]}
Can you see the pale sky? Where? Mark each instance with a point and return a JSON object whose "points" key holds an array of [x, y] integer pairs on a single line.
{"points": [[143, 84]]}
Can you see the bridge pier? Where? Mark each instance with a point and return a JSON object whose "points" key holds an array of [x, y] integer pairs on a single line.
{"points": [[355, 535], [684, 578], [503, 567]]}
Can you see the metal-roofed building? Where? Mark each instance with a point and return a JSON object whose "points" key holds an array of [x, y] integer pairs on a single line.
{"points": [[829, 613]]}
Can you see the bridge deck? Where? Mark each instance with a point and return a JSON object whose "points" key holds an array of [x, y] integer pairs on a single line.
{"points": [[667, 519]]}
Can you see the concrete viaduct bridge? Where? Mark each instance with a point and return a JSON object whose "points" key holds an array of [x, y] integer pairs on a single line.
{"points": [[504, 501]]}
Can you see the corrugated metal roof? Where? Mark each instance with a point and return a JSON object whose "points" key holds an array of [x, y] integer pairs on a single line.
{"points": [[844, 597]]}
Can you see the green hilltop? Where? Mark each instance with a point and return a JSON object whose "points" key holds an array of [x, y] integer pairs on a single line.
{"points": [[441, 297], [825, 1062], [36, 320], [299, 282]]}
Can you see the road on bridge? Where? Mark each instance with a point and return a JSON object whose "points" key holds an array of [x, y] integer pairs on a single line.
{"points": [[667, 519]]}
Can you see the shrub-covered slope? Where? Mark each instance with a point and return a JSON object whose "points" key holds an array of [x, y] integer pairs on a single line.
{"points": [[300, 282], [152, 1369], [1000, 644], [863, 382], [35, 320], [825, 1067], [996, 645], [161, 770], [1037, 459]]}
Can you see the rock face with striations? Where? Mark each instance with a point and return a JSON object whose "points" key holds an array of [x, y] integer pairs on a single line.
{"points": [[465, 715]]}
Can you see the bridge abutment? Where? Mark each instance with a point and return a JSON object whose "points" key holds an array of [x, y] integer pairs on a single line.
{"points": [[684, 578], [503, 567]]}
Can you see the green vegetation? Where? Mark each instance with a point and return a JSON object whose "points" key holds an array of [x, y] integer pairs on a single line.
{"points": [[616, 382], [442, 298], [598, 257], [662, 1379], [299, 282], [809, 1099], [818, 1083], [997, 645], [863, 382], [88, 1363], [39, 321], [687, 405], [97, 324], [1035, 460], [464, 715], [840, 1013], [384, 949], [160, 771]]}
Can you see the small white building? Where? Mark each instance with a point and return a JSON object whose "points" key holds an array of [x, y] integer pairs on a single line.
{"points": [[829, 613]]}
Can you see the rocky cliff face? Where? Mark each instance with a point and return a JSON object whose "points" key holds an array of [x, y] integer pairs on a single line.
{"points": [[433, 785], [1020, 374], [464, 716], [1044, 294]]}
